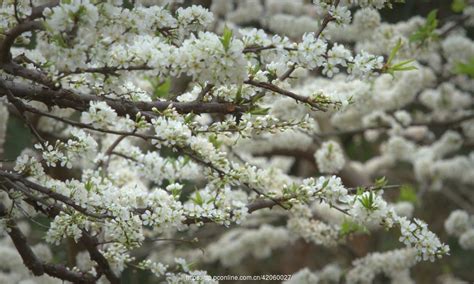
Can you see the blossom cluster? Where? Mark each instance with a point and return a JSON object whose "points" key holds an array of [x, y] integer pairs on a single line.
{"points": [[460, 224]]}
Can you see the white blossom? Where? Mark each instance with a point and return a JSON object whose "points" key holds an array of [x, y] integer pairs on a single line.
{"points": [[329, 157]]}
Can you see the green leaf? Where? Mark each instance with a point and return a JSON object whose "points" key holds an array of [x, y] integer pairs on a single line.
{"points": [[226, 38], [400, 66], [255, 69], [189, 118], [427, 31], [238, 96], [458, 5], [176, 192], [408, 193], [326, 182], [408, 68], [290, 190], [259, 111], [380, 182], [213, 139], [59, 40], [198, 199], [162, 89], [465, 68], [367, 201], [186, 160], [431, 20], [394, 51], [211, 200], [88, 185], [348, 227], [256, 98]]}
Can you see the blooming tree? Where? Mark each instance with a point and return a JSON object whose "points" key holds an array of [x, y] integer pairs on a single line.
{"points": [[168, 136]]}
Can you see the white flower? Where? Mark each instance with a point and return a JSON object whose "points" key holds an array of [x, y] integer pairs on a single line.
{"points": [[399, 148], [64, 226], [341, 14], [365, 64], [404, 208], [99, 115], [403, 117], [240, 243], [303, 276], [208, 60], [390, 263], [28, 165], [416, 234], [334, 191], [171, 128], [366, 20], [466, 240], [63, 17], [338, 55], [158, 269], [374, 212], [457, 223], [194, 18], [468, 12], [378, 4], [182, 262], [330, 158], [310, 51]]}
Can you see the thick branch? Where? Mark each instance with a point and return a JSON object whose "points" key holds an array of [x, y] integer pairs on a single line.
{"points": [[90, 244], [61, 272], [10, 37], [68, 99], [33, 263], [36, 76], [19, 240], [106, 70], [29, 25], [37, 11]]}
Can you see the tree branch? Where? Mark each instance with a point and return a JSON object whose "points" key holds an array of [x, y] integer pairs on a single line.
{"points": [[276, 89], [54, 195], [33, 263], [19, 240], [90, 243], [16, 69], [81, 102], [11, 35], [37, 11]]}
